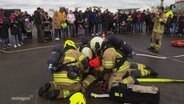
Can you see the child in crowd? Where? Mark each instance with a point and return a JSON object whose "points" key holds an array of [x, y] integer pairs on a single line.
{"points": [[64, 28], [28, 28], [80, 30]]}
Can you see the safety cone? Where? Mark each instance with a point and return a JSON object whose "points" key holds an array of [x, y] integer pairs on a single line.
{"points": [[103, 36]]}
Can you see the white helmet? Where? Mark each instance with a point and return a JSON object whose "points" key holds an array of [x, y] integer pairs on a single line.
{"points": [[96, 43], [86, 51]]}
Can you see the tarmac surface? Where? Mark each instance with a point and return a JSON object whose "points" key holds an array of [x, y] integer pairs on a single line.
{"points": [[24, 70]]}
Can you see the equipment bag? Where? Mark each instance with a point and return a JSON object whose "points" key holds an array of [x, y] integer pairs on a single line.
{"points": [[135, 94]]}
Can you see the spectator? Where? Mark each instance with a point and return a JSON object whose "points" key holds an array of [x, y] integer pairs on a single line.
{"points": [[28, 28], [168, 26], [38, 20], [47, 26], [92, 21], [99, 23], [174, 24], [4, 29], [148, 21], [56, 24], [138, 22], [20, 19], [71, 23], [78, 20], [86, 27], [129, 22], [181, 26], [15, 30], [62, 17]]}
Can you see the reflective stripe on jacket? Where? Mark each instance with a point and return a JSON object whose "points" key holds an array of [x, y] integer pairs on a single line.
{"points": [[61, 77], [109, 60]]}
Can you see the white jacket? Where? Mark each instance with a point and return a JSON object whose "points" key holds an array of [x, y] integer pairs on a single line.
{"points": [[71, 18]]}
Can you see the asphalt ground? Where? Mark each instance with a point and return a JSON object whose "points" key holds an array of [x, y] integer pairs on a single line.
{"points": [[24, 70]]}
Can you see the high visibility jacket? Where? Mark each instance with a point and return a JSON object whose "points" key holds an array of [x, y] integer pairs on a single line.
{"points": [[170, 12], [109, 61], [159, 23], [71, 55]]}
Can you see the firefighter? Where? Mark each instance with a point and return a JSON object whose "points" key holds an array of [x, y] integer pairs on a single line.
{"points": [[116, 67], [158, 30], [121, 84], [136, 69], [67, 78]]}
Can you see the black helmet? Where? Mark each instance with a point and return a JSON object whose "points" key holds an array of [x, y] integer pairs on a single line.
{"points": [[84, 40]]}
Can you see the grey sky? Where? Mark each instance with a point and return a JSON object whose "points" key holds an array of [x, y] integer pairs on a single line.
{"points": [[30, 5]]}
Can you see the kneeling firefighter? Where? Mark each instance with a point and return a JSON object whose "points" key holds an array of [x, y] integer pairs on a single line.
{"points": [[67, 70], [115, 66], [120, 81], [137, 69]]}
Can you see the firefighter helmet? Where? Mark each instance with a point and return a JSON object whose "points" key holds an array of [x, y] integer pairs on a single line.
{"points": [[70, 43], [87, 52], [96, 43], [77, 98]]}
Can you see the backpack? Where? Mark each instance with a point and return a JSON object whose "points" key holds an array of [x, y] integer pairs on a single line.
{"points": [[121, 46], [28, 26], [56, 58]]}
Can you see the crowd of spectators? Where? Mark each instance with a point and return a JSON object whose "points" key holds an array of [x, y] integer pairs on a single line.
{"points": [[66, 23]]}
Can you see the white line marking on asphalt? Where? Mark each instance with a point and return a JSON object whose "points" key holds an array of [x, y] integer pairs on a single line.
{"points": [[43, 47], [29, 49], [159, 55], [152, 56], [178, 56], [177, 60]]}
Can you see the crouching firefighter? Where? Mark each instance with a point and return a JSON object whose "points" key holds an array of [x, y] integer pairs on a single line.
{"points": [[116, 67], [137, 69], [67, 75], [121, 84]]}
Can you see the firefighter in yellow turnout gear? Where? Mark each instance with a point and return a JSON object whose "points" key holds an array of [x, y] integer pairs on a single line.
{"points": [[158, 30], [67, 79], [116, 68], [140, 70]]}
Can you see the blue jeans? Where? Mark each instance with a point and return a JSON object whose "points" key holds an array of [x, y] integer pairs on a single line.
{"points": [[5, 42], [138, 27], [20, 39], [15, 39], [65, 33], [100, 28], [57, 33]]}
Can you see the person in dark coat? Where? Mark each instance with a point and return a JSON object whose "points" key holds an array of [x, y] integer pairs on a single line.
{"points": [[4, 30], [38, 20]]}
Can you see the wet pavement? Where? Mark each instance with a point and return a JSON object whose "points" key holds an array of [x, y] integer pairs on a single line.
{"points": [[24, 70]]}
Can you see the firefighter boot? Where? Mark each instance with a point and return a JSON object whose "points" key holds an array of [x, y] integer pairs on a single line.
{"points": [[44, 89]]}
